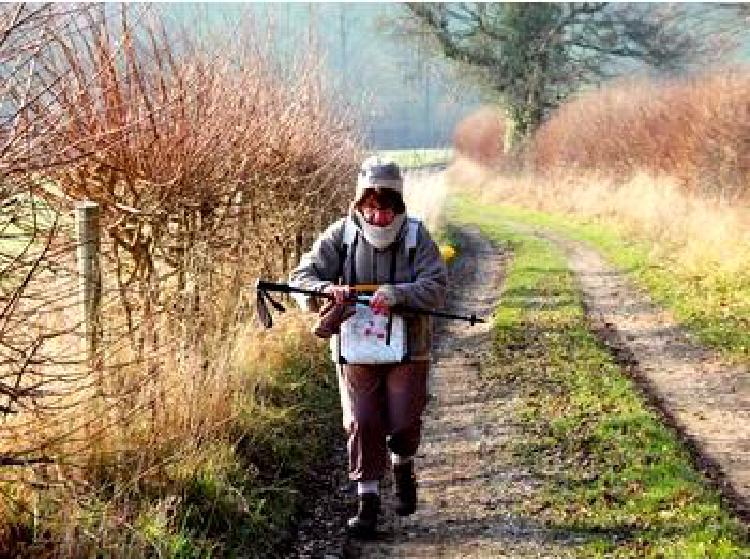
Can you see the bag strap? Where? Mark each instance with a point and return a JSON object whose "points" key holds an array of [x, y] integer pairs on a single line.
{"points": [[351, 235], [412, 233]]}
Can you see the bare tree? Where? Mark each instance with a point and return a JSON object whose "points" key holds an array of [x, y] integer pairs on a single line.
{"points": [[534, 55]]}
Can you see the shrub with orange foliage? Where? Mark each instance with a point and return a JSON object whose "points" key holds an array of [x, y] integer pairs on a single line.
{"points": [[693, 129], [481, 136]]}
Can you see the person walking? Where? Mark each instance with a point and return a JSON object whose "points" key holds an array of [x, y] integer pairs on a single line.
{"points": [[377, 248]]}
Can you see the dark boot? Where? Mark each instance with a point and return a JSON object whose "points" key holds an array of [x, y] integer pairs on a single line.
{"points": [[406, 488], [363, 525]]}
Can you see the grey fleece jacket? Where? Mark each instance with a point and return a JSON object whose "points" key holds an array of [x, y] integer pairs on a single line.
{"points": [[321, 266]]}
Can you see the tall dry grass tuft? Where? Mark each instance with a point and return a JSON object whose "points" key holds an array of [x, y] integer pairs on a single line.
{"points": [[211, 167], [425, 193], [697, 230], [695, 130]]}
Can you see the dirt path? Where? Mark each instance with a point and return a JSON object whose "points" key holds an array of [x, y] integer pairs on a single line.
{"points": [[708, 401], [468, 482]]}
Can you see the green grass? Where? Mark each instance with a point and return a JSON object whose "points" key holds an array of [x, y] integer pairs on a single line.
{"points": [[614, 474], [713, 305], [417, 157], [242, 498]]}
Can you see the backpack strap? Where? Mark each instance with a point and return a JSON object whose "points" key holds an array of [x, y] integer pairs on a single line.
{"points": [[411, 244], [351, 235], [350, 230]]}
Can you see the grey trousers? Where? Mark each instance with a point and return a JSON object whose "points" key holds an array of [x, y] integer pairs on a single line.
{"points": [[382, 410]]}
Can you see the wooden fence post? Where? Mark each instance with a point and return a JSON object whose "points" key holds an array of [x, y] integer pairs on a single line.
{"points": [[88, 238]]}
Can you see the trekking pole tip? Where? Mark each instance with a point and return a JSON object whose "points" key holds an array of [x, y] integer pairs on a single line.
{"points": [[475, 319]]}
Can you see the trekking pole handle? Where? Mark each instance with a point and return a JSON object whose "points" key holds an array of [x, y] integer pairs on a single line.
{"points": [[264, 285]]}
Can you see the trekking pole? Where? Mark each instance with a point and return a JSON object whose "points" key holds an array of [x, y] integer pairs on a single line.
{"points": [[263, 296]]}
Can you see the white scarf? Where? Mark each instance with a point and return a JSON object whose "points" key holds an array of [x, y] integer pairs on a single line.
{"points": [[381, 237]]}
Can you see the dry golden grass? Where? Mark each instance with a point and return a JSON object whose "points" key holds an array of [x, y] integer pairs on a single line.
{"points": [[183, 426], [697, 229]]}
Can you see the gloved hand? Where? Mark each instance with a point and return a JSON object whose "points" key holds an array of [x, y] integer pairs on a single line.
{"points": [[385, 297], [340, 292], [330, 318]]}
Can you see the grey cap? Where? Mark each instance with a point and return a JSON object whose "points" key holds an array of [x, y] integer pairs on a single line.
{"points": [[377, 172]]}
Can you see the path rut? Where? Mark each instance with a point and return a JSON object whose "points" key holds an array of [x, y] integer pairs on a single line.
{"points": [[705, 398]]}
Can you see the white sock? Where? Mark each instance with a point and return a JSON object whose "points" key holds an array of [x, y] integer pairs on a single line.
{"points": [[370, 486], [397, 459]]}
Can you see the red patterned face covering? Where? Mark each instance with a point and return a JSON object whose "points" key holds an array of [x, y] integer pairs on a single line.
{"points": [[380, 236], [377, 216]]}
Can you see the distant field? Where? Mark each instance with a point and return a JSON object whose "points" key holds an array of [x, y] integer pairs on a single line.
{"points": [[418, 157]]}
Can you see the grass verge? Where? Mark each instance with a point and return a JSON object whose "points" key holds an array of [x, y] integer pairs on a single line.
{"points": [[615, 476], [241, 499], [712, 304], [233, 493]]}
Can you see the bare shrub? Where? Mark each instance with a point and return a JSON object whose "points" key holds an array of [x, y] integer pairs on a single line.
{"points": [[32, 244], [481, 136], [694, 129], [211, 168]]}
